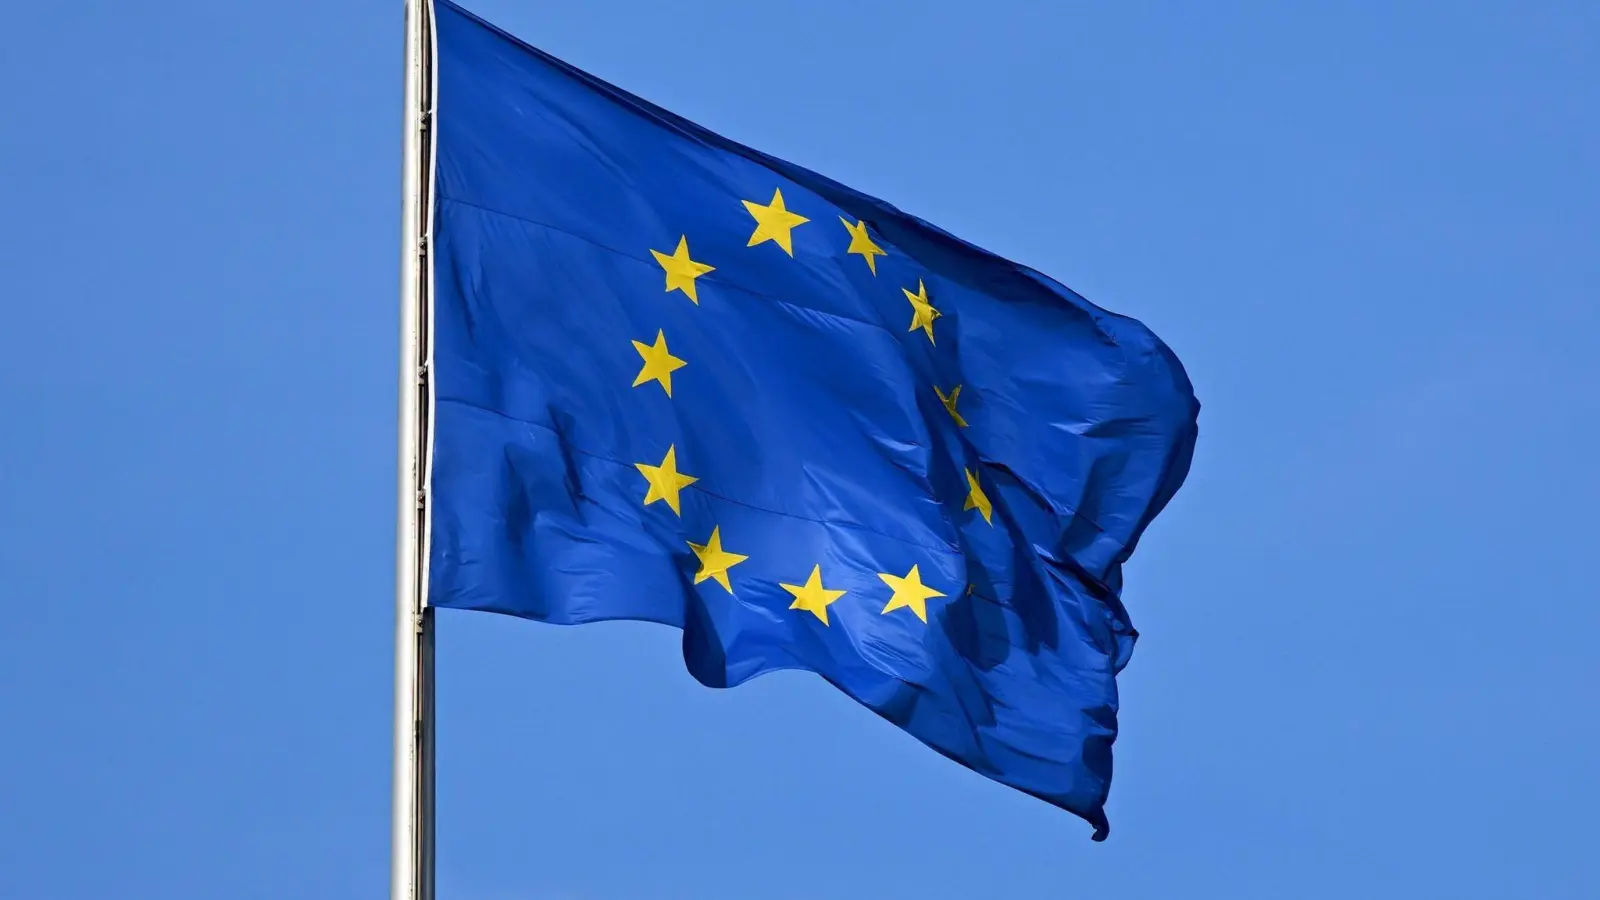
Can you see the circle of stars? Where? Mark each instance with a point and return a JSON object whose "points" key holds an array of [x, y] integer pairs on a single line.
{"points": [[775, 224]]}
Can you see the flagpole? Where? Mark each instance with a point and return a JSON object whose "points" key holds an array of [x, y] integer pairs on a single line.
{"points": [[412, 873]]}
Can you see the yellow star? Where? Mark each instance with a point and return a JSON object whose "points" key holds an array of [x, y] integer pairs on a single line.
{"points": [[773, 222], [665, 481], [715, 561], [977, 499], [909, 593], [861, 242], [658, 363], [922, 311], [812, 596], [950, 403], [681, 270]]}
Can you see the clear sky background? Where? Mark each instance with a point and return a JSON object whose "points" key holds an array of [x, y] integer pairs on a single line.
{"points": [[1368, 668]]}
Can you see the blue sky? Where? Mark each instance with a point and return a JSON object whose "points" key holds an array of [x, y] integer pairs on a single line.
{"points": [[1367, 663]]}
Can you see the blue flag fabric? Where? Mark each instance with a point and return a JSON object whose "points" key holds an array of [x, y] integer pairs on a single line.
{"points": [[678, 380]]}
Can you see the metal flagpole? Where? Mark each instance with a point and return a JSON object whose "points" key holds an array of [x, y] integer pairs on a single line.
{"points": [[412, 860]]}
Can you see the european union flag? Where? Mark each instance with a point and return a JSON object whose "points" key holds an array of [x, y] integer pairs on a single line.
{"points": [[679, 380]]}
